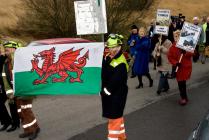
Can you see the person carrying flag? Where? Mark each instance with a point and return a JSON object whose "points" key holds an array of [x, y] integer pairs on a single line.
{"points": [[24, 104]]}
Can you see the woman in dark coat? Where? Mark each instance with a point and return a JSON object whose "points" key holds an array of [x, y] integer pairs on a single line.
{"points": [[141, 63], [114, 88], [185, 67]]}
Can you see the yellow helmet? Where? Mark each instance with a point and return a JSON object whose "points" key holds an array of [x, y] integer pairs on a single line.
{"points": [[12, 44], [114, 40]]}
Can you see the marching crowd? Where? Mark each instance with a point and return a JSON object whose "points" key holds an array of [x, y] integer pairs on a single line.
{"points": [[145, 47], [169, 60]]}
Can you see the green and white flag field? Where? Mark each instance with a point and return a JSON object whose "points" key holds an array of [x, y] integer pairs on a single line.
{"points": [[58, 69]]}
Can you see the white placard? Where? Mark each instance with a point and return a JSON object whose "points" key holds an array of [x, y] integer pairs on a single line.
{"points": [[189, 37], [90, 17], [163, 20]]}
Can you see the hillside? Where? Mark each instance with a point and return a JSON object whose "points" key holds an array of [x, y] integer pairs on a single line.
{"points": [[11, 9], [189, 8]]}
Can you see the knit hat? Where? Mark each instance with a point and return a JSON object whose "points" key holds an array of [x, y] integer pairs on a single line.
{"points": [[134, 27]]}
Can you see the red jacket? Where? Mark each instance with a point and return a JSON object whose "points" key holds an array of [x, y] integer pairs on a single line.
{"points": [[185, 69]]}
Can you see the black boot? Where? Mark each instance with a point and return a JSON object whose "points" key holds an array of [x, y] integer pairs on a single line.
{"points": [[13, 128], [24, 135], [150, 79], [133, 76], [34, 135], [4, 127], [139, 86], [150, 83], [158, 92]]}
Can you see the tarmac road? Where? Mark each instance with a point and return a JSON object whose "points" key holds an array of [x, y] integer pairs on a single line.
{"points": [[163, 120], [62, 117]]}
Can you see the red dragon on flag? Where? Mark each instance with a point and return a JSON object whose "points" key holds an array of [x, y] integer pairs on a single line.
{"points": [[68, 61]]}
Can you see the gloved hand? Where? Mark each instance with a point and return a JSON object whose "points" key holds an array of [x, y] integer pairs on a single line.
{"points": [[178, 64], [183, 51], [132, 43]]}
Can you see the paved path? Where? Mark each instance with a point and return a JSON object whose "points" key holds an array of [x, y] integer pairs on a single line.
{"points": [[62, 117], [163, 120]]}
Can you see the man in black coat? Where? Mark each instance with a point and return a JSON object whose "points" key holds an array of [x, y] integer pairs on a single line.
{"points": [[5, 119], [14, 120], [114, 88]]}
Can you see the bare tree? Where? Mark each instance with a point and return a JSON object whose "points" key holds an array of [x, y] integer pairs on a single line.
{"points": [[51, 18], [120, 13], [56, 18]]}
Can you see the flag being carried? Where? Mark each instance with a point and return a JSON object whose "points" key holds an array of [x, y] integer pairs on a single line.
{"points": [[58, 69]]}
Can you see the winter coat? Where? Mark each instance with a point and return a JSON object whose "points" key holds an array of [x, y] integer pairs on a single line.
{"points": [[114, 79], [3, 95], [170, 32], [163, 51], [207, 35], [8, 67], [202, 36], [185, 68], [132, 37], [141, 63]]}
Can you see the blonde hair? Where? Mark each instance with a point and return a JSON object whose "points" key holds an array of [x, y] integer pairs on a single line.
{"points": [[177, 32], [176, 35], [143, 29]]}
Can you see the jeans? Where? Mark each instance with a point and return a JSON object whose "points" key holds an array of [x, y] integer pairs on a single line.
{"points": [[163, 81]]}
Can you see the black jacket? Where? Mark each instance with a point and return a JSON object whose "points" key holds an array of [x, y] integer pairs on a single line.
{"points": [[114, 79], [3, 95], [207, 35]]}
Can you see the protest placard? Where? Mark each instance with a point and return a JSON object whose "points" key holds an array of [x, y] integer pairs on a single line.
{"points": [[189, 37], [162, 21], [90, 17]]}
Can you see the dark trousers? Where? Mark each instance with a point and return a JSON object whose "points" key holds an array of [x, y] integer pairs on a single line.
{"points": [[140, 78], [4, 115], [182, 89], [132, 67], [196, 54], [14, 114], [163, 81]]}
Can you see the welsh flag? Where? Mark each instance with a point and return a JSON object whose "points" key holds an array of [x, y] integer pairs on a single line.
{"points": [[58, 69]]}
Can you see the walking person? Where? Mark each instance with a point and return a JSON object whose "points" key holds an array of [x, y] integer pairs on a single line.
{"points": [[206, 52], [200, 41], [133, 38], [203, 45], [160, 52], [206, 29], [184, 68], [5, 118], [114, 88], [24, 104], [141, 63], [8, 67]]}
